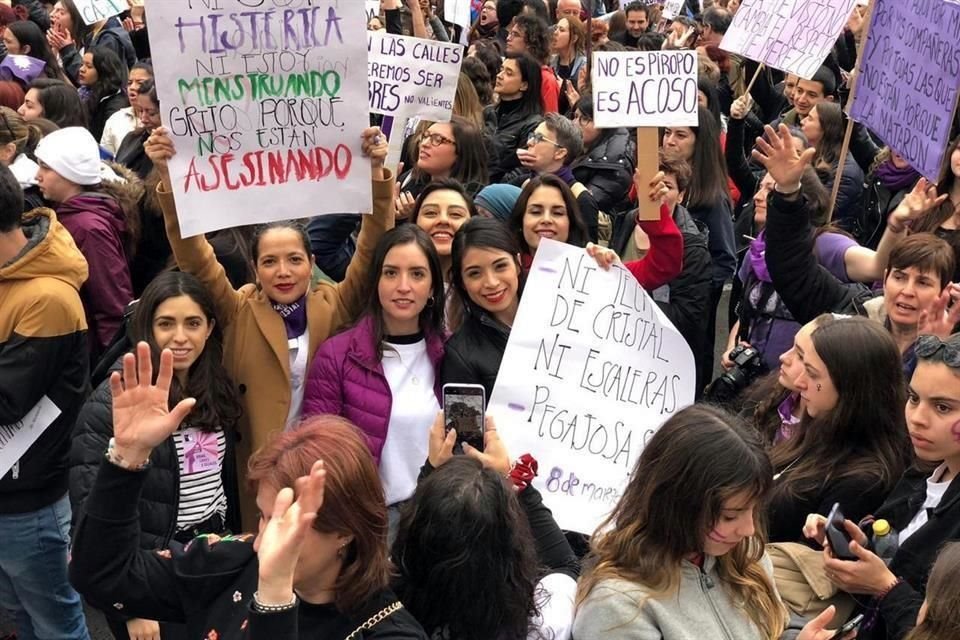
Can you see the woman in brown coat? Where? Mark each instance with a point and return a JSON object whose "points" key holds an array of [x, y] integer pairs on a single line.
{"points": [[273, 328]]}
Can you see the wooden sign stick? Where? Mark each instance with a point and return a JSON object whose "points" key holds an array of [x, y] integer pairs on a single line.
{"points": [[648, 164]]}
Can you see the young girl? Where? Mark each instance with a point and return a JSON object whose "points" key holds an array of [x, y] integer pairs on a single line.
{"points": [[271, 331], [382, 374], [191, 486], [924, 507], [103, 84], [850, 446], [681, 556]]}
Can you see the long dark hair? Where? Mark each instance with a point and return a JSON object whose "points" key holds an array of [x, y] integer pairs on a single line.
{"points": [[470, 167], [480, 233], [943, 598], [218, 405], [29, 34], [578, 236], [466, 556], [111, 78], [80, 29], [701, 457], [529, 73], [431, 318], [865, 435], [830, 145], [708, 185], [61, 103]]}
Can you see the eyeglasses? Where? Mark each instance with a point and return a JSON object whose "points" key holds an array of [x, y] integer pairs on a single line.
{"points": [[514, 33], [929, 346], [536, 137], [435, 139]]}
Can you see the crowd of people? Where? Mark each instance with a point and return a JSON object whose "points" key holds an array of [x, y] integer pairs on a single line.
{"points": [[172, 395]]}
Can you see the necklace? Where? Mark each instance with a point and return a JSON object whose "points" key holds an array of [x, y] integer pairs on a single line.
{"points": [[776, 476]]}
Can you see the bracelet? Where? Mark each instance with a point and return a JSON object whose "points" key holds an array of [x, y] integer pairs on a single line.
{"points": [[789, 192], [259, 607], [883, 594], [116, 459], [523, 471]]}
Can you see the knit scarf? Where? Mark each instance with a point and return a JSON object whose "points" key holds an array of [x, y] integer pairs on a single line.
{"points": [[487, 32], [565, 174], [894, 178], [757, 256], [294, 316]]}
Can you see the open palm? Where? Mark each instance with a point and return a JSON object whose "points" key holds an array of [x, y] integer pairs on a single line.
{"points": [[142, 418], [777, 151]]}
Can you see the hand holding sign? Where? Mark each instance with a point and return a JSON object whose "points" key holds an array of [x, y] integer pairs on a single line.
{"points": [[777, 152]]}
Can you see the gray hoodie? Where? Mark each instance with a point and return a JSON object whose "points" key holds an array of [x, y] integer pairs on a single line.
{"points": [[701, 610]]}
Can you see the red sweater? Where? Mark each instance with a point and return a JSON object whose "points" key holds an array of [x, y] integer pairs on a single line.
{"points": [[664, 260], [549, 90]]}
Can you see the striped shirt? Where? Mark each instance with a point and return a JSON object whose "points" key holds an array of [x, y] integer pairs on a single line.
{"points": [[200, 455]]}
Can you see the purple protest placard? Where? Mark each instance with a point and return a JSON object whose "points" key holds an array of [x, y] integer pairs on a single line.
{"points": [[909, 79]]}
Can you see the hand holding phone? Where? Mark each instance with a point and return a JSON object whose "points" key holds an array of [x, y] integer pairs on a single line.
{"points": [[849, 625], [837, 535], [463, 410]]}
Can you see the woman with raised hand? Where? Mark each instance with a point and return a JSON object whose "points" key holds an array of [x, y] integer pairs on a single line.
{"points": [[499, 549], [681, 555], [382, 373], [272, 329], [191, 486], [317, 569], [924, 506]]}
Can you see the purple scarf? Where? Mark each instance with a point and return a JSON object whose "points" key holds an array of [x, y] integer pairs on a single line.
{"points": [[896, 179], [757, 256], [565, 174], [294, 316]]}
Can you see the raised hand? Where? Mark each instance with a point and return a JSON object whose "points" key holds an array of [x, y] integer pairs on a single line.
{"points": [[777, 152], [921, 199], [142, 418], [655, 188], [741, 107], [375, 147], [605, 257], [943, 314], [281, 539]]}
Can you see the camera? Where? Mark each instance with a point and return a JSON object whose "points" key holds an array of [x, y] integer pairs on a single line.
{"points": [[747, 367]]}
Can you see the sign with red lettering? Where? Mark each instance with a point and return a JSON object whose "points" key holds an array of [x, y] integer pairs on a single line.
{"points": [[411, 76], [645, 89], [791, 35], [592, 369], [261, 103]]}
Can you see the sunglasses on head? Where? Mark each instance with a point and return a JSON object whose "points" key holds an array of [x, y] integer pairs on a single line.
{"points": [[930, 347]]}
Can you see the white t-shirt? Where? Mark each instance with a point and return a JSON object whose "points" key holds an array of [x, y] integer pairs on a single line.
{"points": [[200, 455], [411, 378], [935, 491]]}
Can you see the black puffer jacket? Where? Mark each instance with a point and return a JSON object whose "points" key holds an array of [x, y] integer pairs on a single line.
{"points": [[513, 128], [159, 501], [607, 170], [686, 299], [474, 353]]}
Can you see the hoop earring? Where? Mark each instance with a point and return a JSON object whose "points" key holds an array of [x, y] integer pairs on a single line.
{"points": [[430, 301]]}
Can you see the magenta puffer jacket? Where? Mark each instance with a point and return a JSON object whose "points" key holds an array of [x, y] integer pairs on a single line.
{"points": [[346, 379]]}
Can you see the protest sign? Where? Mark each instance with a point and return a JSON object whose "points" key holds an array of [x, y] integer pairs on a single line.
{"points": [[411, 76], [645, 88], [16, 438], [372, 7], [261, 103], [791, 35], [909, 78], [672, 8], [457, 12], [591, 370], [96, 10]]}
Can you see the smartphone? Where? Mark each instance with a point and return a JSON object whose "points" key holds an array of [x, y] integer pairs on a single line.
{"points": [[837, 535], [463, 410], [849, 625]]}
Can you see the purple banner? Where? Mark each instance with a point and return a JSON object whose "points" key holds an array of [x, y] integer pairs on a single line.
{"points": [[909, 79]]}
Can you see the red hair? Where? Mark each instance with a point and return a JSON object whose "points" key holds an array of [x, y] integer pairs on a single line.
{"points": [[353, 500], [11, 94]]}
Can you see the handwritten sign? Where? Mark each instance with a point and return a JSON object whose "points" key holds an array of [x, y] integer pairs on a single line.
{"points": [[672, 8], [411, 76], [96, 10], [909, 79], [17, 438], [372, 7], [591, 371], [261, 102], [645, 88], [791, 35], [457, 12]]}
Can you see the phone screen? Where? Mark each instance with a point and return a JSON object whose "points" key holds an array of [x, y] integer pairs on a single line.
{"points": [[463, 408]]}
